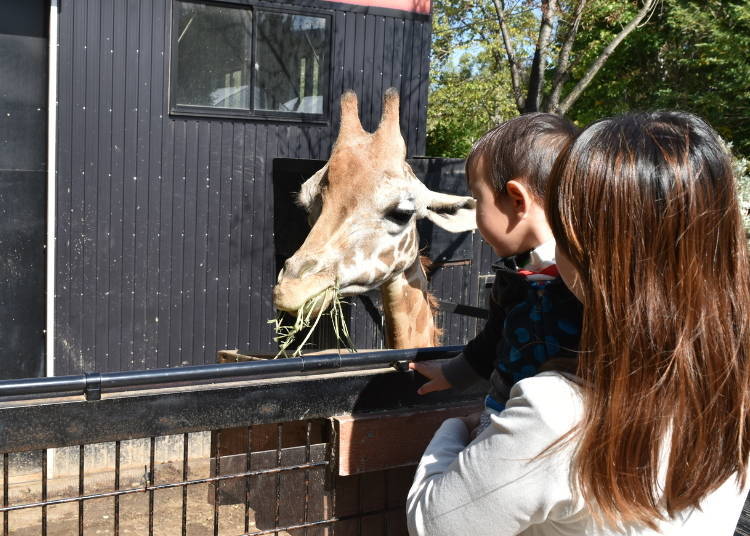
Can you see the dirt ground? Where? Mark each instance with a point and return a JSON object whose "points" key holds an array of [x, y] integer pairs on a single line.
{"points": [[99, 514]]}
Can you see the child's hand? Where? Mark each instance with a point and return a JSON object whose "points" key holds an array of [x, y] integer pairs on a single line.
{"points": [[433, 371], [472, 423]]}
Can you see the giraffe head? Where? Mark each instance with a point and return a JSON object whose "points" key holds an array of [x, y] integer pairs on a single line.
{"points": [[363, 206]]}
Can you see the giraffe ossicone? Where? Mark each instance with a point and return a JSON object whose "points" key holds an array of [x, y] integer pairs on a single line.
{"points": [[363, 206]]}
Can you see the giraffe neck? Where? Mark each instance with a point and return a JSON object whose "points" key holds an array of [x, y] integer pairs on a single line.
{"points": [[408, 312]]}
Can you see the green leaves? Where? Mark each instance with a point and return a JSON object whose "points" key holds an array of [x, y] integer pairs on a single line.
{"points": [[686, 54], [693, 56], [463, 105]]}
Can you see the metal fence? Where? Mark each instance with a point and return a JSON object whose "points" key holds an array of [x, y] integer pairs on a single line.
{"points": [[101, 454], [235, 449]]}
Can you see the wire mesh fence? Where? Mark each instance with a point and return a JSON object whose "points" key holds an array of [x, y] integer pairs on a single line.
{"points": [[190, 485], [172, 455], [232, 458]]}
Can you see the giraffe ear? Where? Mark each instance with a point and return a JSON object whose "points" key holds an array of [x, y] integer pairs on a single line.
{"points": [[310, 196], [454, 213]]}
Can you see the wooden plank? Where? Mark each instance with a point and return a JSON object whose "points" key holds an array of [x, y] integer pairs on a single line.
{"points": [[220, 139], [206, 132], [142, 356], [189, 239], [255, 251], [234, 236], [246, 234], [166, 191], [376, 71], [406, 115], [130, 189], [357, 65], [65, 142], [104, 178], [159, 132], [338, 54], [176, 253], [73, 350], [116, 191], [91, 326], [370, 86], [167, 201], [380, 493], [216, 330], [266, 259], [349, 50], [389, 31], [397, 71], [424, 83], [365, 442]]}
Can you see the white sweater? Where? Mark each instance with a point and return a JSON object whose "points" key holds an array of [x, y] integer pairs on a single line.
{"points": [[494, 487]]}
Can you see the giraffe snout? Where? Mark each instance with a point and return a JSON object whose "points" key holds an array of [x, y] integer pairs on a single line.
{"points": [[290, 293], [296, 267]]}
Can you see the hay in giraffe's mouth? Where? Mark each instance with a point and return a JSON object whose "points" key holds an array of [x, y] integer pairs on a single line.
{"points": [[308, 317]]}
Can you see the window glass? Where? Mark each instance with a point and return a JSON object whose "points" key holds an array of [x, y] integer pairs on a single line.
{"points": [[213, 56], [291, 63]]}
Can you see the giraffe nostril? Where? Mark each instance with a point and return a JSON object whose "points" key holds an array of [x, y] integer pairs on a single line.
{"points": [[307, 267], [297, 268]]}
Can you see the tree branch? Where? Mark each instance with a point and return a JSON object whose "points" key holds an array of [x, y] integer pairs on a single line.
{"points": [[536, 76], [596, 66], [515, 75], [562, 71]]}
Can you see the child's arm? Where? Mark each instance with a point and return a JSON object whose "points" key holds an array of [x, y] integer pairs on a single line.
{"points": [[474, 363], [478, 358]]}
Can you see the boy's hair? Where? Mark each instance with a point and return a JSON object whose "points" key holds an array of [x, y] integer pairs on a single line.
{"points": [[523, 148]]}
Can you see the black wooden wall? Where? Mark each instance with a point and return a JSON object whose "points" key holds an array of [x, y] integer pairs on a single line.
{"points": [[23, 186], [165, 246]]}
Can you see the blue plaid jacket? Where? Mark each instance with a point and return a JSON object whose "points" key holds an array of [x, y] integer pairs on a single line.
{"points": [[530, 323]]}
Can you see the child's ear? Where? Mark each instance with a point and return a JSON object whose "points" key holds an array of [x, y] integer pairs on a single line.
{"points": [[519, 195]]}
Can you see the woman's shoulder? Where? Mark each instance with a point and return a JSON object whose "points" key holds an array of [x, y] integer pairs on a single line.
{"points": [[549, 398]]}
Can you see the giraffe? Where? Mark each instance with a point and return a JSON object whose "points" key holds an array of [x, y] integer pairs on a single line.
{"points": [[363, 206]]}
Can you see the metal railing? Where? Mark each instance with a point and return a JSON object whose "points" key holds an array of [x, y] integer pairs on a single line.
{"points": [[92, 384], [273, 474]]}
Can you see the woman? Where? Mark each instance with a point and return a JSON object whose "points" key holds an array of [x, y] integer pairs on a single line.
{"points": [[652, 434]]}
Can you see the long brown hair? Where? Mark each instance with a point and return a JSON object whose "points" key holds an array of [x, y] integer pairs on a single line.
{"points": [[644, 206]]}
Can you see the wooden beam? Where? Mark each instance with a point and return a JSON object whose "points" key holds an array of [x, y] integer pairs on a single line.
{"points": [[384, 440]]}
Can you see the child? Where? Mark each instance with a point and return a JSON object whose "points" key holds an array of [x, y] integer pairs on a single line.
{"points": [[533, 316], [653, 436]]}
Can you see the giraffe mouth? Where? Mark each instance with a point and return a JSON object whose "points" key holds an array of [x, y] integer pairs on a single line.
{"points": [[291, 295]]}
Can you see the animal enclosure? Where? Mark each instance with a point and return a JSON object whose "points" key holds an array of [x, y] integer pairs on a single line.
{"points": [[277, 484]]}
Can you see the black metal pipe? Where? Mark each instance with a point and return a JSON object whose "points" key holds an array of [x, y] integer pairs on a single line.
{"points": [[54, 384], [97, 382]]}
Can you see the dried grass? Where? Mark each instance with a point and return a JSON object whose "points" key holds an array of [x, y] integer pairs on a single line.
{"points": [[286, 334]]}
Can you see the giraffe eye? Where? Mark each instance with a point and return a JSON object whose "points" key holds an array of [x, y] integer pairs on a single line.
{"points": [[400, 216]]}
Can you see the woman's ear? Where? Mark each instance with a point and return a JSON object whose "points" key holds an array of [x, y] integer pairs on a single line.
{"points": [[519, 195]]}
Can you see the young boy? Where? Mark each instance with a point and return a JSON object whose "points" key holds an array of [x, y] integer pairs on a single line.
{"points": [[534, 318]]}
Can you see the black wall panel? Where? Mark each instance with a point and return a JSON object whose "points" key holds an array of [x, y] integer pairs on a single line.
{"points": [[23, 186], [165, 229]]}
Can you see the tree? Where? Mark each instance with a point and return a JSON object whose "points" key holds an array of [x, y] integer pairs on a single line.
{"points": [[558, 24], [464, 103], [693, 56], [526, 46], [470, 90]]}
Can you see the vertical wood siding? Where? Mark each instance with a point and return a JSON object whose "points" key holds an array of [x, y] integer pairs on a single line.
{"points": [[165, 246]]}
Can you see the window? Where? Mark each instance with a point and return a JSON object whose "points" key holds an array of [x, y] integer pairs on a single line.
{"points": [[243, 62]]}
